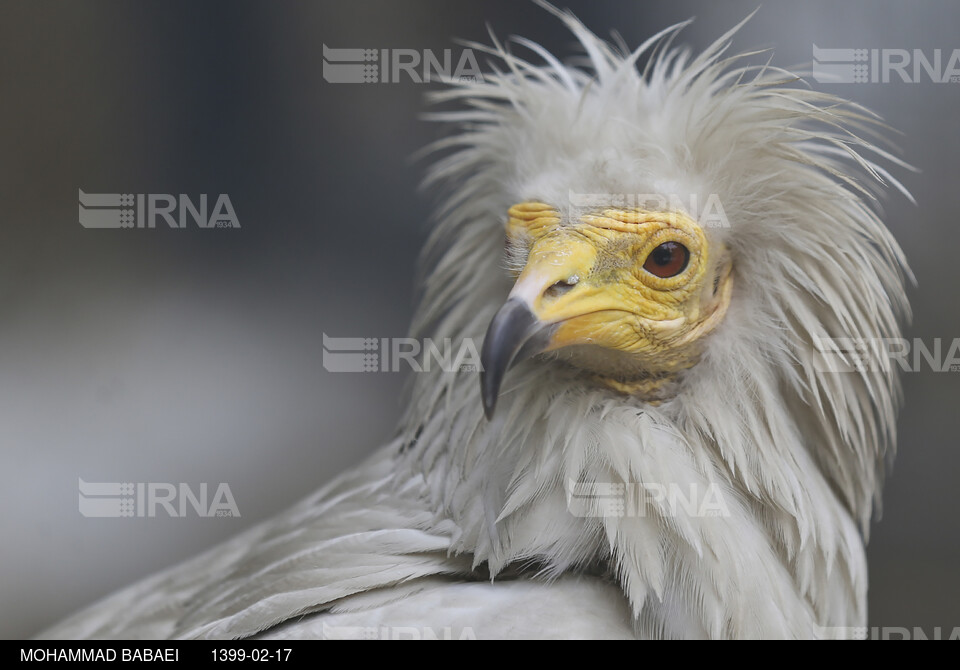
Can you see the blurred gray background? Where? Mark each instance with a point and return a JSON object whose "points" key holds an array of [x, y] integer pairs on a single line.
{"points": [[194, 355]]}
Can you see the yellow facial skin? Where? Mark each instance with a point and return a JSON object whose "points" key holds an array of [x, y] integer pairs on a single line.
{"points": [[587, 276]]}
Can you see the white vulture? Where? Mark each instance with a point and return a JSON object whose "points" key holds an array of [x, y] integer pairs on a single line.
{"points": [[634, 347]]}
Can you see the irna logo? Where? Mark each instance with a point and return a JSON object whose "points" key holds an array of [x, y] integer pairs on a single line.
{"points": [[152, 210], [389, 66]]}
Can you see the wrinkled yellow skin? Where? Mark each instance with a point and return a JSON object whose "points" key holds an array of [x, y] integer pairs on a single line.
{"points": [[587, 276]]}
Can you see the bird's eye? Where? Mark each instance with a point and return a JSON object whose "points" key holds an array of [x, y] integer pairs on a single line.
{"points": [[667, 260]]}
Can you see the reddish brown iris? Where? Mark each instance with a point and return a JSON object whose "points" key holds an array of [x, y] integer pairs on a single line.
{"points": [[667, 260]]}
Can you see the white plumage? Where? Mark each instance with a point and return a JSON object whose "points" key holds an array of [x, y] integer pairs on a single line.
{"points": [[464, 523]]}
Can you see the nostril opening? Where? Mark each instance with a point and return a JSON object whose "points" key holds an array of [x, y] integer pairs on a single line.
{"points": [[561, 287]]}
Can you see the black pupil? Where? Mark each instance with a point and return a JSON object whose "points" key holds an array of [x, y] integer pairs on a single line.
{"points": [[665, 254]]}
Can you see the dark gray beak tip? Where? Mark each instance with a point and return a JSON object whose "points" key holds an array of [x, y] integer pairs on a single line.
{"points": [[514, 329], [489, 398]]}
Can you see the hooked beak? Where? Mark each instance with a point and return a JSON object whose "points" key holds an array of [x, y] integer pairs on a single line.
{"points": [[535, 310], [514, 334]]}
